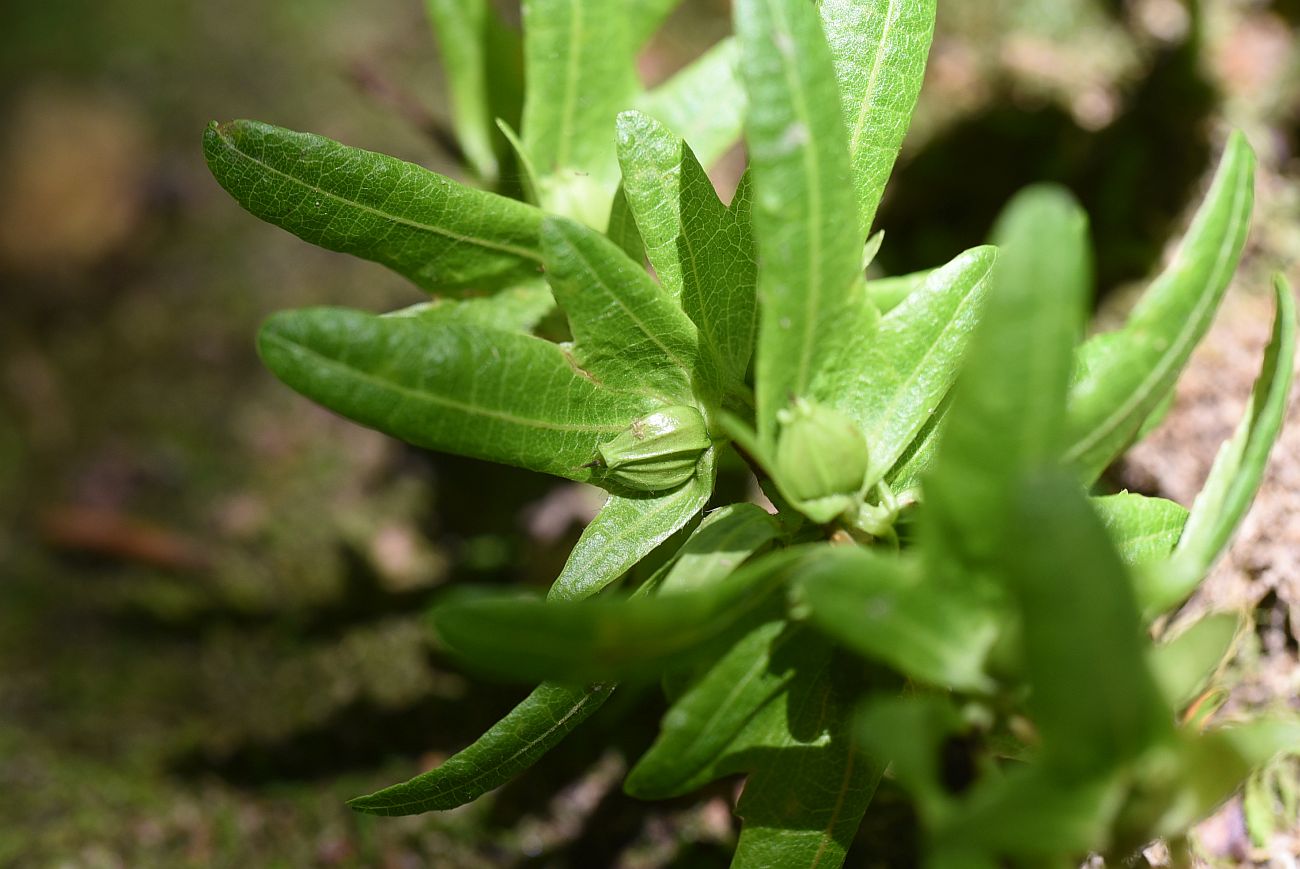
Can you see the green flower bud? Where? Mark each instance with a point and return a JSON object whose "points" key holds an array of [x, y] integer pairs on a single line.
{"points": [[820, 454], [658, 451]]}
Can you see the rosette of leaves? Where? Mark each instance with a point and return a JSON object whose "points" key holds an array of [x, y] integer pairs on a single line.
{"points": [[936, 574]]}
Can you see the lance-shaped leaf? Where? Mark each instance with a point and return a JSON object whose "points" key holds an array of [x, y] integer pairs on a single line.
{"points": [[1008, 407], [880, 48], [804, 212], [622, 228], [704, 103], [699, 248], [810, 780], [885, 609], [483, 63], [723, 541], [495, 395], [1144, 530], [1237, 471], [1182, 665], [627, 529], [702, 735], [628, 333], [603, 639], [442, 235], [512, 745], [578, 62], [894, 385], [518, 309], [1124, 385], [1092, 694]]}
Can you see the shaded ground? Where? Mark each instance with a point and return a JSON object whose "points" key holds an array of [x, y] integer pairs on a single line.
{"points": [[210, 591]]}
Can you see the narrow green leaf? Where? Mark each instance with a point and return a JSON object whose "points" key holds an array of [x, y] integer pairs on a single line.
{"points": [[487, 394], [888, 293], [518, 309], [1144, 530], [885, 609], [512, 745], [1238, 468], [698, 247], [893, 387], [701, 737], [910, 731], [483, 63], [880, 48], [918, 458], [1125, 385], [805, 213], [1008, 407], [603, 639], [628, 332], [811, 781], [1092, 694], [723, 541], [1182, 665], [579, 65], [704, 103], [626, 530], [442, 235], [622, 228]]}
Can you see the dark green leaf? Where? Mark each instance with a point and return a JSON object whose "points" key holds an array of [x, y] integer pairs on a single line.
{"points": [[1091, 691], [483, 393], [699, 248], [622, 228], [1125, 385], [1008, 407], [805, 213], [603, 639], [880, 48], [513, 744], [442, 235], [886, 609], [628, 333], [626, 530]]}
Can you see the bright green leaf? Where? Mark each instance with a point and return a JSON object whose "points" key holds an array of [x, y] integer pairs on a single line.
{"points": [[628, 333], [512, 745], [1144, 530], [805, 223], [622, 228], [626, 530], [698, 247], [888, 293], [879, 48], [893, 386], [1125, 385], [723, 541], [487, 394], [518, 309], [442, 235]]}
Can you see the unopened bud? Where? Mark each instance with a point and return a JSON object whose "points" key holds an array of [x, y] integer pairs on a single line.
{"points": [[657, 452], [820, 453]]}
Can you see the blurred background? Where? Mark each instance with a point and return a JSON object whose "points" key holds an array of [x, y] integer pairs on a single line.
{"points": [[210, 590]]}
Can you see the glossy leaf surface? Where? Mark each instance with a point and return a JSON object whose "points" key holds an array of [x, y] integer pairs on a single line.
{"points": [[804, 213], [1126, 384], [442, 235], [879, 48], [501, 396]]}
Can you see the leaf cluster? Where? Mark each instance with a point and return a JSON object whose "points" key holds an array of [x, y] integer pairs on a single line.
{"points": [[939, 570]]}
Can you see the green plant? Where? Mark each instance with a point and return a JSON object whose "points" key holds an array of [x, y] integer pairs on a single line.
{"points": [[935, 575]]}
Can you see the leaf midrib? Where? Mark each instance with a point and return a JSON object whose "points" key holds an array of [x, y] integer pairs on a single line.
{"points": [[433, 398], [1112, 422], [432, 229], [891, 18]]}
